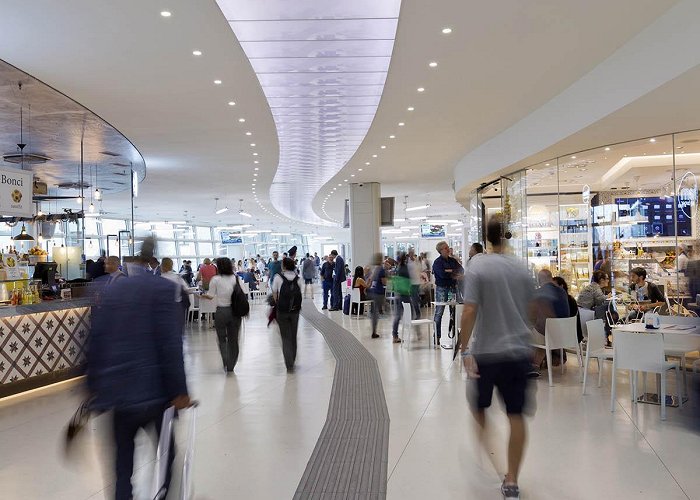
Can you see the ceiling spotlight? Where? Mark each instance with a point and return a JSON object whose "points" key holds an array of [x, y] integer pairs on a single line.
{"points": [[420, 89], [256, 162], [255, 175], [401, 124], [241, 120], [217, 82], [256, 168], [252, 144], [217, 210], [652, 140], [359, 170], [98, 194], [383, 147], [573, 157], [352, 175], [392, 137], [196, 52], [249, 133], [345, 180], [367, 163], [231, 103], [419, 207], [607, 149], [433, 64], [411, 108], [255, 154], [446, 31], [165, 13], [374, 156], [339, 184]]}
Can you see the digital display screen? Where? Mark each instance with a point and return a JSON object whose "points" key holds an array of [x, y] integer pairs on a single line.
{"points": [[432, 231], [652, 216], [228, 238]]}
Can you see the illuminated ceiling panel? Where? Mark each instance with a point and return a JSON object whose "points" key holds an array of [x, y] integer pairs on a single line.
{"points": [[322, 66]]}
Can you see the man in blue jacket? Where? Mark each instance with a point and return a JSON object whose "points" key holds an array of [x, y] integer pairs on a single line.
{"points": [[338, 278], [447, 270], [135, 365]]}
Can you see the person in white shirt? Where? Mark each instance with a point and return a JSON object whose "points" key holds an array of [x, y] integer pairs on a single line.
{"points": [[227, 325]]}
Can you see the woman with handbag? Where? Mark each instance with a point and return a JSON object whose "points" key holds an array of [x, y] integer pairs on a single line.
{"points": [[226, 323]]}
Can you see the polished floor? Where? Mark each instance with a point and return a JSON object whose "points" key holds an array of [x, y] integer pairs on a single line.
{"points": [[257, 430]]}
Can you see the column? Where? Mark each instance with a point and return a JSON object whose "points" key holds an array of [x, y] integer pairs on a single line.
{"points": [[365, 219]]}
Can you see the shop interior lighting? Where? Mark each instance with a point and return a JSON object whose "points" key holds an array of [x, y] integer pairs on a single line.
{"points": [[196, 52], [231, 103], [217, 82], [166, 13], [411, 108], [420, 89], [446, 31], [432, 64], [418, 207], [243, 212]]}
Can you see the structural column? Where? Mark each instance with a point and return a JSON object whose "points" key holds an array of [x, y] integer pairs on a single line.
{"points": [[365, 220]]}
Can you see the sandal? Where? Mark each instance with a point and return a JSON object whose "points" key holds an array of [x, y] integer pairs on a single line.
{"points": [[397, 340]]}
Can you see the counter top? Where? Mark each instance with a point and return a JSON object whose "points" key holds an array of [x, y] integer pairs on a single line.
{"points": [[45, 306]]}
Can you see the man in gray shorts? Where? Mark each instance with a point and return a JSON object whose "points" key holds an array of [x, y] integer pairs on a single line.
{"points": [[497, 289]]}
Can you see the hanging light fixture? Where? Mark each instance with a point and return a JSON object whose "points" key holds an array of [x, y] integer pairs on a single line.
{"points": [[23, 235], [241, 211], [217, 210], [98, 193]]}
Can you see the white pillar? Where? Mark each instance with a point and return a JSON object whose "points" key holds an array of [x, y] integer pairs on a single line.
{"points": [[365, 219]]}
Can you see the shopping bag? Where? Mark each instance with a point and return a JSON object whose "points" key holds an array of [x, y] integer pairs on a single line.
{"points": [[163, 454]]}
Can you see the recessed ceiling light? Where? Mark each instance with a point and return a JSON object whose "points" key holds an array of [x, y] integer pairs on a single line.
{"points": [[432, 64], [411, 108], [652, 140], [352, 175], [255, 154], [392, 137], [446, 31], [383, 147], [374, 156], [165, 13], [401, 124], [339, 184], [359, 170], [241, 120], [252, 144], [196, 52], [607, 149], [546, 164], [420, 89], [573, 157], [256, 162], [255, 175], [345, 180], [249, 133], [231, 103], [367, 163], [217, 82]]}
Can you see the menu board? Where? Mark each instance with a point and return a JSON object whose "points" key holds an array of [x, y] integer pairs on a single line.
{"points": [[16, 192], [13, 271]]}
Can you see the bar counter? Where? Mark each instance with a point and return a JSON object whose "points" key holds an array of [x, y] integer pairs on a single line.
{"points": [[43, 343]]}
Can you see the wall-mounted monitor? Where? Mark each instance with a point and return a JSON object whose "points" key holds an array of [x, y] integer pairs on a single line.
{"points": [[228, 238], [432, 231], [650, 216]]}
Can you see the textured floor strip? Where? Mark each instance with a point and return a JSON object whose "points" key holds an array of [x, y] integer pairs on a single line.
{"points": [[351, 456]]}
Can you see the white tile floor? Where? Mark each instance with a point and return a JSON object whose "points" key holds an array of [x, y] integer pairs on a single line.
{"points": [[256, 430]]}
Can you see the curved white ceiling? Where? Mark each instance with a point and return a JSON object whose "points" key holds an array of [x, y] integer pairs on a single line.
{"points": [[322, 66]]}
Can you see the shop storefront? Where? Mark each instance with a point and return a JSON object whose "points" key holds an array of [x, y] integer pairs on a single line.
{"points": [[614, 208]]}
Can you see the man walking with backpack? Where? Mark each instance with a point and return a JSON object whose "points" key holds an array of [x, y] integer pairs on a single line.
{"points": [[287, 295]]}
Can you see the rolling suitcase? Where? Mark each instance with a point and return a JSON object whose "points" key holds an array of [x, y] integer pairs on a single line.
{"points": [[163, 454], [346, 305]]}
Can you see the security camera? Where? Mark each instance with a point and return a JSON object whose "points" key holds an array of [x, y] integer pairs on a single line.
{"points": [[361, 185]]}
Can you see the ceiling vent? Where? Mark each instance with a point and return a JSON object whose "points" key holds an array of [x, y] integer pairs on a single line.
{"points": [[27, 158]]}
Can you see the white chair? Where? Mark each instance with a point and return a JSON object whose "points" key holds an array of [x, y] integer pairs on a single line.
{"points": [[678, 346], [408, 322], [584, 316], [642, 352], [355, 299], [595, 349], [560, 333], [194, 307]]}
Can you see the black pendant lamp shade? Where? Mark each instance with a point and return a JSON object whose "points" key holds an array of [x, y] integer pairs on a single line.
{"points": [[23, 235]]}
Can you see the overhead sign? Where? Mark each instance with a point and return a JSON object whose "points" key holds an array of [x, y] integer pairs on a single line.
{"points": [[230, 238], [16, 192]]}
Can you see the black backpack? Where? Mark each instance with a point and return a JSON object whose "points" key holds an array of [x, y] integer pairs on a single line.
{"points": [[289, 298], [239, 301]]}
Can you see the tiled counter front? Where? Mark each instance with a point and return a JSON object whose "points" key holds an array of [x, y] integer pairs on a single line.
{"points": [[41, 348]]}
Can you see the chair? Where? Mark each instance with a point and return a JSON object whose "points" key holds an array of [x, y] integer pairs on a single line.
{"points": [[584, 316], [560, 333], [355, 299], [194, 307], [642, 352], [408, 322], [596, 349], [678, 346]]}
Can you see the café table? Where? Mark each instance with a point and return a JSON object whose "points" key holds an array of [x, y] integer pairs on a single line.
{"points": [[677, 338]]}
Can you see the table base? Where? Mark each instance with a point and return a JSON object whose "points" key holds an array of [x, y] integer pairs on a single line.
{"points": [[653, 399]]}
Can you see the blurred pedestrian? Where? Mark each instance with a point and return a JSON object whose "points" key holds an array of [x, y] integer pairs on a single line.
{"points": [[286, 293], [377, 291], [135, 365], [308, 271], [497, 291], [447, 270], [339, 276], [401, 285]]}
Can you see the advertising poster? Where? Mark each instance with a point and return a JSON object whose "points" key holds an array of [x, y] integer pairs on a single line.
{"points": [[228, 238], [16, 192]]}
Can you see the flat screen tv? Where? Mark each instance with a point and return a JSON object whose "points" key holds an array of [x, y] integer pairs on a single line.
{"points": [[653, 216], [432, 231], [228, 238]]}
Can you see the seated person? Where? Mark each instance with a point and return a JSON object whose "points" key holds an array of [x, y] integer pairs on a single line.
{"points": [[573, 306], [645, 291], [592, 295], [358, 281], [549, 301]]}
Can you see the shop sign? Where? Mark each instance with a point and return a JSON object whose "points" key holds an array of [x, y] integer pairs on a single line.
{"points": [[16, 192], [586, 193], [228, 238]]}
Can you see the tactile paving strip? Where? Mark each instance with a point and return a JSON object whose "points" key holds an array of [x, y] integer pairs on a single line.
{"points": [[351, 455]]}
